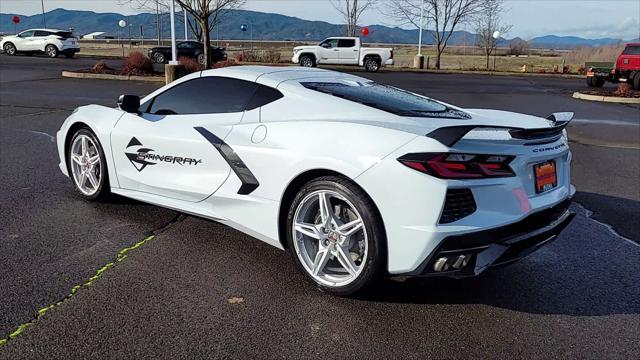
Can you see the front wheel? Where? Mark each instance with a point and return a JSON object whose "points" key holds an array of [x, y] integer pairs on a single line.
{"points": [[51, 51], [307, 61], [87, 166], [336, 236], [371, 64], [9, 49]]}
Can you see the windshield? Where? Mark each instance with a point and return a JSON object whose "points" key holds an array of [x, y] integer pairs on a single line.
{"points": [[386, 98]]}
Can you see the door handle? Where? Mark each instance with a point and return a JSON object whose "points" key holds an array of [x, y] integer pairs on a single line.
{"points": [[336, 49]]}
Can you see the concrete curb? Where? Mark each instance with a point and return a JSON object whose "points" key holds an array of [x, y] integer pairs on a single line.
{"points": [[79, 75], [609, 99]]}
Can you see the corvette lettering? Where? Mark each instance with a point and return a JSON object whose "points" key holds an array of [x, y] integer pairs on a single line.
{"points": [[550, 148], [143, 157]]}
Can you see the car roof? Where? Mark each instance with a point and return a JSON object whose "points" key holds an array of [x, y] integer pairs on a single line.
{"points": [[50, 30], [274, 75]]}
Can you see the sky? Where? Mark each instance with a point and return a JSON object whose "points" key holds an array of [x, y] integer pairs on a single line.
{"points": [[584, 18]]}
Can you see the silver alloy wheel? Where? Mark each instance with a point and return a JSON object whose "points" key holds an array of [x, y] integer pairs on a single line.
{"points": [[86, 167], [306, 61], [372, 65], [201, 59], [51, 51], [330, 238], [9, 49], [158, 57]]}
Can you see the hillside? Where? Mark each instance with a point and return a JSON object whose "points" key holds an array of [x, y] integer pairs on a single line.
{"points": [[266, 26]]}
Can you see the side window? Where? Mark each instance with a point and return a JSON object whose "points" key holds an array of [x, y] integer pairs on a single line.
{"points": [[40, 33], [206, 95], [346, 43], [26, 34], [263, 96], [632, 50], [330, 43]]}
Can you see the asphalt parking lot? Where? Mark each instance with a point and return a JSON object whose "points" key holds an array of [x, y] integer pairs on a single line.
{"points": [[578, 297]]}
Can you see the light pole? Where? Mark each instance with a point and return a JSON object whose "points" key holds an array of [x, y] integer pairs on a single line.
{"points": [[122, 25], [418, 60], [174, 52], [185, 25], [496, 36], [44, 19]]}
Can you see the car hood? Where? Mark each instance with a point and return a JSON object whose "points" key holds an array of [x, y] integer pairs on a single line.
{"points": [[304, 47], [8, 37]]}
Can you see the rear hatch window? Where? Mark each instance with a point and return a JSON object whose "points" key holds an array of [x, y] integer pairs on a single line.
{"points": [[632, 50], [387, 98], [64, 34]]}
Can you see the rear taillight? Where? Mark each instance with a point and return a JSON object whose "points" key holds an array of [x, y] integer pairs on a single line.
{"points": [[459, 166]]}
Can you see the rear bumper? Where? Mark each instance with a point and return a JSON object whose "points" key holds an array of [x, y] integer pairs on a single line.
{"points": [[389, 62], [70, 50], [470, 254]]}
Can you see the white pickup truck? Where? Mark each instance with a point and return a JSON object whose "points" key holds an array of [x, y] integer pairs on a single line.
{"points": [[342, 51]]}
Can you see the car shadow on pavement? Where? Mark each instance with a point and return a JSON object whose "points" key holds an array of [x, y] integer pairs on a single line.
{"points": [[587, 271]]}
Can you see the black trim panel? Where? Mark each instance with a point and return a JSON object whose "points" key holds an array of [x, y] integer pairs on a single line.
{"points": [[249, 182], [501, 245], [450, 135]]}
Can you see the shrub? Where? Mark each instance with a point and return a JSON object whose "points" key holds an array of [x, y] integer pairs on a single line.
{"points": [[623, 90], [519, 47], [100, 67], [226, 63], [265, 56], [581, 70], [190, 65], [137, 64]]}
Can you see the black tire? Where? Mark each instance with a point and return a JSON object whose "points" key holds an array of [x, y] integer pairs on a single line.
{"points": [[51, 51], [598, 82], [69, 55], [104, 190], [590, 81], [307, 61], [9, 49], [375, 261], [636, 81], [158, 57], [372, 64]]}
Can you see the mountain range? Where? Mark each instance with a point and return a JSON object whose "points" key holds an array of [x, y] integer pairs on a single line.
{"points": [[266, 26]]}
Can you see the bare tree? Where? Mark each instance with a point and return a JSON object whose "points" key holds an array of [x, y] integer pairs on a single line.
{"points": [[487, 21], [443, 15], [351, 10], [207, 15]]}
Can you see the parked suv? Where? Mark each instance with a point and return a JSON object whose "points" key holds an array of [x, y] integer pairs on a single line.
{"points": [[49, 41], [626, 69]]}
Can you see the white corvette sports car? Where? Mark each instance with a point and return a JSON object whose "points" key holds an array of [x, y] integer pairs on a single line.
{"points": [[355, 178]]}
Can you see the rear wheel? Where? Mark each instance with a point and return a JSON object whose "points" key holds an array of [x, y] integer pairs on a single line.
{"points": [[9, 49], [201, 59], [336, 236], [307, 61], [51, 51], [87, 166], [636, 81], [371, 64]]}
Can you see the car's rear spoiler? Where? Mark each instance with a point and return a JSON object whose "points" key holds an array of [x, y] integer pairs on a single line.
{"points": [[450, 135]]}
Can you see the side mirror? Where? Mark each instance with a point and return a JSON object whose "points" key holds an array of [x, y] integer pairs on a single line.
{"points": [[129, 103], [326, 45]]}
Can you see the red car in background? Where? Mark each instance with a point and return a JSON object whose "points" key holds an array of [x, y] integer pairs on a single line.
{"points": [[626, 69]]}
